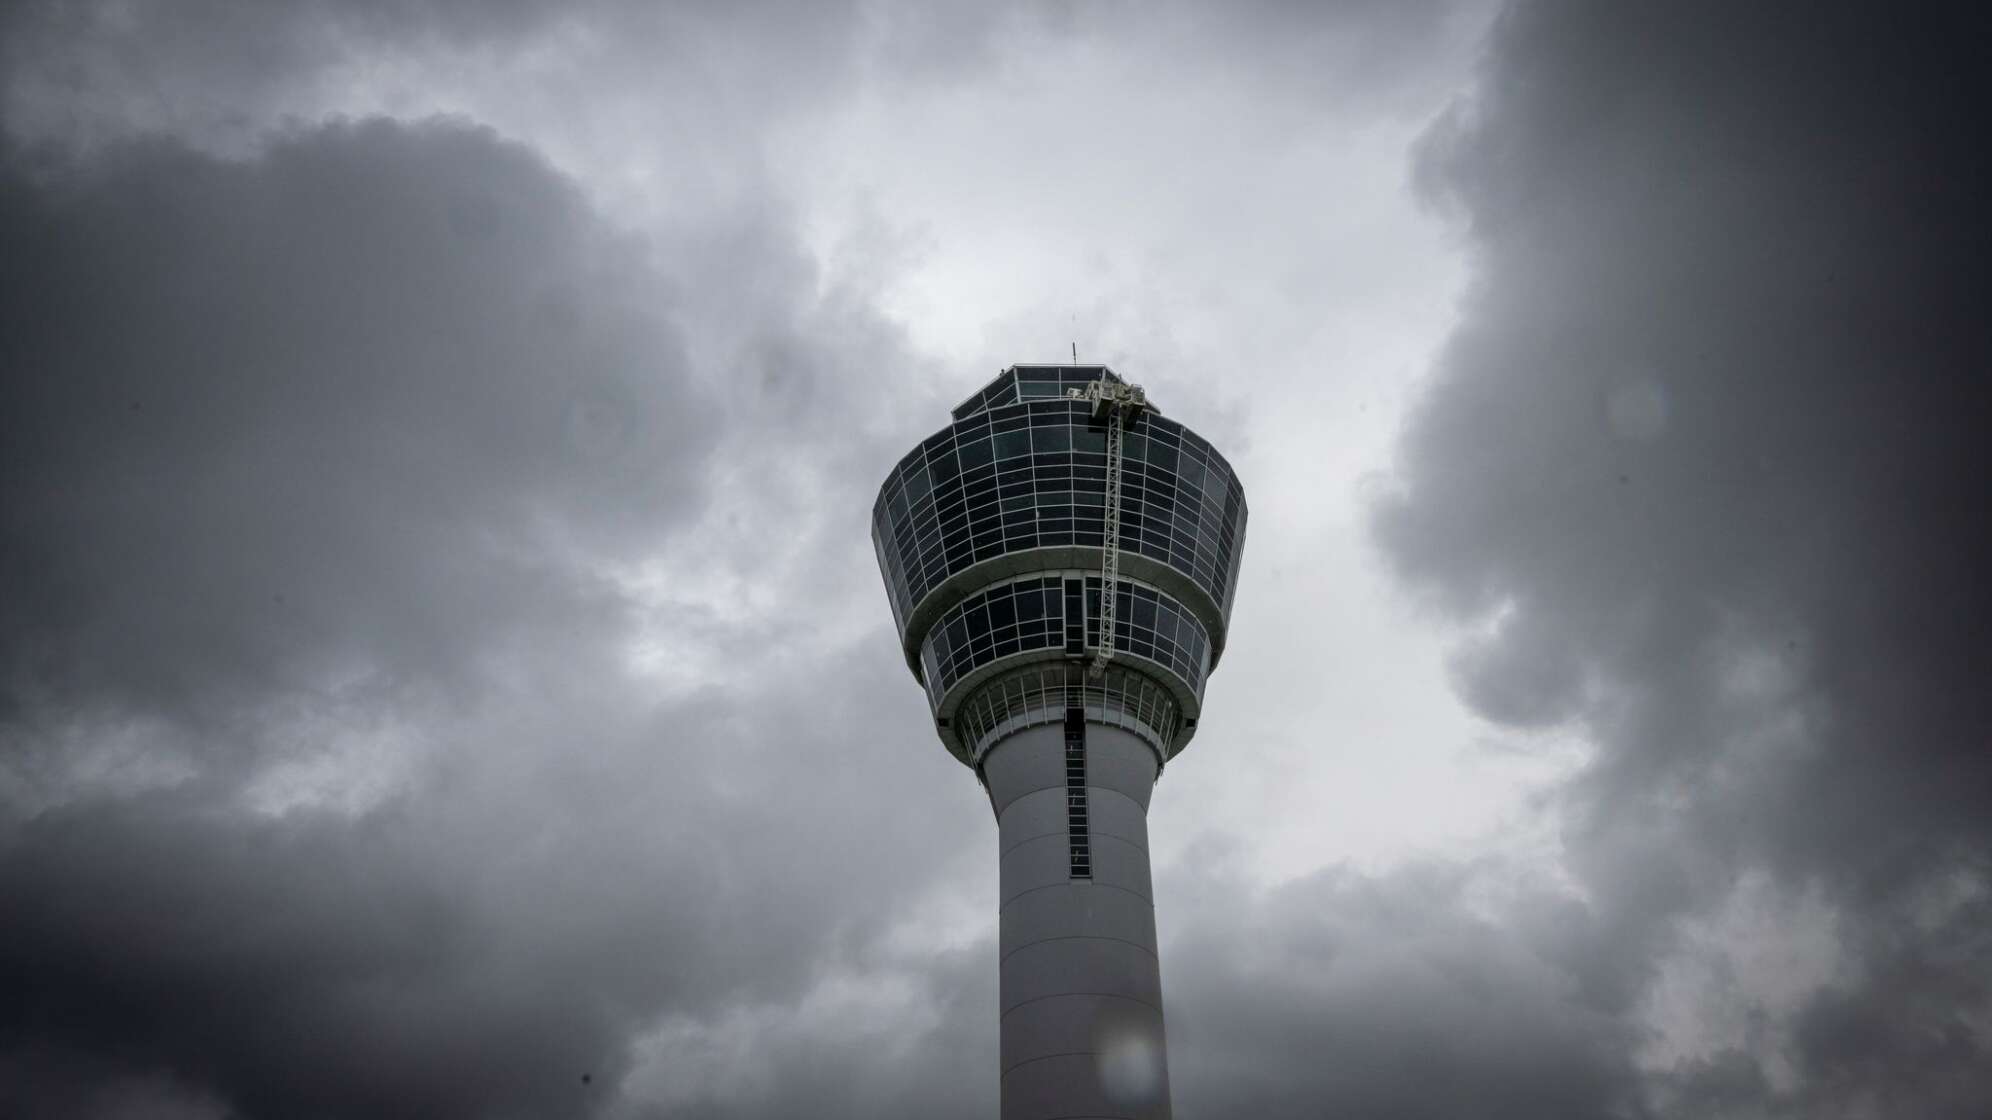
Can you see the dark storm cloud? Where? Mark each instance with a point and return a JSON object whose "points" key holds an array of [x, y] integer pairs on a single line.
{"points": [[474, 947], [325, 469], [313, 439], [272, 421], [1350, 49], [321, 469], [329, 786], [82, 71], [1346, 995], [222, 73], [1707, 456]]}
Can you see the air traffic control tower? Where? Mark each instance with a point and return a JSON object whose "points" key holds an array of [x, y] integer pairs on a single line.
{"points": [[1061, 562]]}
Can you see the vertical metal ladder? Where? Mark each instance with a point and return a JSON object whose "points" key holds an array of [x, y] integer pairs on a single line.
{"points": [[1117, 404]]}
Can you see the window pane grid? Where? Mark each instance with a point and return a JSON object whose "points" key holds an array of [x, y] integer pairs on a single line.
{"points": [[947, 505], [1035, 613], [1040, 694]]}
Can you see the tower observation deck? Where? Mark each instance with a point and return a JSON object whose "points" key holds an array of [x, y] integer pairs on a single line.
{"points": [[1059, 507]]}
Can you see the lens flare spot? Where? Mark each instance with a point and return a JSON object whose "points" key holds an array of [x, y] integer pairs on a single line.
{"points": [[1130, 1067]]}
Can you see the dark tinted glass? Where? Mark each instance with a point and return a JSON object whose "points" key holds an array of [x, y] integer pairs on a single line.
{"points": [[942, 510]]}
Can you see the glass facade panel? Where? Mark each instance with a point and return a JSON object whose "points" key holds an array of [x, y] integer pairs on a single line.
{"points": [[1024, 467], [939, 511], [1031, 615]]}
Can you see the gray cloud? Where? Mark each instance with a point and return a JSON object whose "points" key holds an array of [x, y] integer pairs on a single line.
{"points": [[412, 693], [1711, 431], [1351, 49], [331, 787], [318, 414], [1391, 996], [305, 448], [223, 73]]}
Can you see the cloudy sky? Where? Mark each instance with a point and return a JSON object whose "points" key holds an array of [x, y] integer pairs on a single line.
{"points": [[443, 670]]}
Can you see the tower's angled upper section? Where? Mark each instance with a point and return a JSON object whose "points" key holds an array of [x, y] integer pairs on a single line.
{"points": [[1032, 383], [990, 538]]}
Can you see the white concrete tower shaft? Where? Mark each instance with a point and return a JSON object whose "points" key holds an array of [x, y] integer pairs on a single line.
{"points": [[1061, 562], [1081, 986]]}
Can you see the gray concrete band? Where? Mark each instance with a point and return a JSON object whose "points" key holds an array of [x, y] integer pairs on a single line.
{"points": [[1081, 989]]}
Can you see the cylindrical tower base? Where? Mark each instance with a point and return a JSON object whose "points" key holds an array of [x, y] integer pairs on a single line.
{"points": [[1082, 1031]]}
